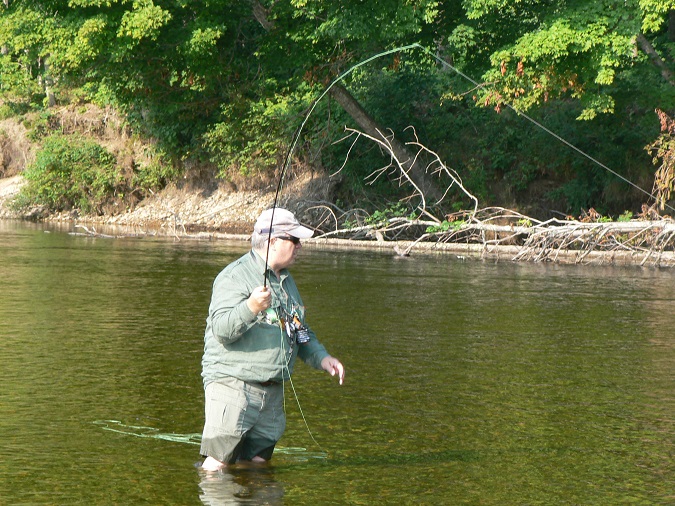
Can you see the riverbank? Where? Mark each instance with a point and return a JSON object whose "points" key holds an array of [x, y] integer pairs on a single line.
{"points": [[174, 210], [180, 209], [191, 212]]}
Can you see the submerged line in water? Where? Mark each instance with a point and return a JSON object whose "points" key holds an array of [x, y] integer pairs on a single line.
{"points": [[295, 394], [144, 431]]}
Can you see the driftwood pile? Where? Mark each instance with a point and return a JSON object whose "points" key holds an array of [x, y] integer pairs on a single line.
{"points": [[504, 234], [490, 232]]}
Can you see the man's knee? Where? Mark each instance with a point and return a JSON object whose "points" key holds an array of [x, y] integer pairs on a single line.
{"points": [[257, 448]]}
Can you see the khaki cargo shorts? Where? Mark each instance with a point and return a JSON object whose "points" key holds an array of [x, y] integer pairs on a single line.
{"points": [[242, 420]]}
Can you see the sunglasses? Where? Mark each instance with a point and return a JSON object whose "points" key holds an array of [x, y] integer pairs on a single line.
{"points": [[294, 240]]}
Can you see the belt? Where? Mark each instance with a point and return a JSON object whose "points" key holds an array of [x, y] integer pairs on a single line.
{"points": [[268, 383]]}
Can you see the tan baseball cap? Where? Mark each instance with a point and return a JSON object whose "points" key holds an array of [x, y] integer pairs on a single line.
{"points": [[281, 221]]}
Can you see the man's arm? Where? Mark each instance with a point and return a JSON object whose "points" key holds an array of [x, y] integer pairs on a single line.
{"points": [[233, 311]]}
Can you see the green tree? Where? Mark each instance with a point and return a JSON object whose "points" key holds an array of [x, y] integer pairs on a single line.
{"points": [[227, 82], [168, 64], [571, 49]]}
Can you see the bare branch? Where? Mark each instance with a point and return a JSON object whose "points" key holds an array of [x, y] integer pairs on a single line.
{"points": [[532, 240]]}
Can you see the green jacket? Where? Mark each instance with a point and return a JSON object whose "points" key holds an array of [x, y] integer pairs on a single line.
{"points": [[254, 347]]}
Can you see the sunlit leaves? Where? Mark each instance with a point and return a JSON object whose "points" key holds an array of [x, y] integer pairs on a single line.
{"points": [[575, 47], [463, 40], [478, 8], [596, 103], [96, 3], [204, 41], [87, 43], [252, 135], [355, 20], [144, 21], [655, 13]]}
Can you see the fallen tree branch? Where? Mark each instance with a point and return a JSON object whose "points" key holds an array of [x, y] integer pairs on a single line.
{"points": [[530, 239]]}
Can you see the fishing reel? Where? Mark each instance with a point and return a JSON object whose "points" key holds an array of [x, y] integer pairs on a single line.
{"points": [[295, 328]]}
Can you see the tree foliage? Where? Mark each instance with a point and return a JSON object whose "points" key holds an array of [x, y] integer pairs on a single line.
{"points": [[225, 83], [70, 173]]}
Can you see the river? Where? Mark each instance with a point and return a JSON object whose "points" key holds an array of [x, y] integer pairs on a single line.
{"points": [[467, 382]]}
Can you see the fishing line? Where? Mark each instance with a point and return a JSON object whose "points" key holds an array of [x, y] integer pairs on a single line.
{"points": [[545, 129], [297, 400], [310, 110], [416, 45], [287, 162], [285, 362], [144, 431]]}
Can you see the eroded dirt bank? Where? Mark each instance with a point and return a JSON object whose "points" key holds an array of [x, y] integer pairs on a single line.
{"points": [[176, 210]]}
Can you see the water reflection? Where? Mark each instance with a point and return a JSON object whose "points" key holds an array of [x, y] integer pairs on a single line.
{"points": [[469, 382], [238, 485]]}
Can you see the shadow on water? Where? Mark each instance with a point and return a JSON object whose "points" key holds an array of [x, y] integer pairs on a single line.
{"points": [[405, 459]]}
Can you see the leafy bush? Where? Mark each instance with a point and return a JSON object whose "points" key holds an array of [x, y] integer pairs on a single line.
{"points": [[625, 216], [6, 111], [153, 176], [253, 136], [70, 172], [381, 218], [38, 125]]}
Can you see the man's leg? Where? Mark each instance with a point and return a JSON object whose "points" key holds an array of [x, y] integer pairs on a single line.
{"points": [[245, 426], [211, 464], [259, 442], [225, 408]]}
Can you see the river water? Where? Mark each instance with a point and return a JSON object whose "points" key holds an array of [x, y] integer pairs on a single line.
{"points": [[467, 382]]}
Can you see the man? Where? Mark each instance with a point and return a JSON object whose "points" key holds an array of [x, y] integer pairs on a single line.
{"points": [[254, 332]]}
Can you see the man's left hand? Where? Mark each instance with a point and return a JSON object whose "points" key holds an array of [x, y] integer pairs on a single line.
{"points": [[333, 366]]}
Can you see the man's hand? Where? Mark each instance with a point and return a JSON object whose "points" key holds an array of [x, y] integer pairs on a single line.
{"points": [[333, 366], [260, 299]]}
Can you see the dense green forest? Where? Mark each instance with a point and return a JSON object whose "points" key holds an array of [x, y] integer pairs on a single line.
{"points": [[219, 88]]}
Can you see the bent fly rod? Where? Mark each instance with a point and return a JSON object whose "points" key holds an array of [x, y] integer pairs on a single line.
{"points": [[298, 132]]}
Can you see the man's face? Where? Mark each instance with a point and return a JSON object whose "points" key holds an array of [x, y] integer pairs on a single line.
{"points": [[283, 252]]}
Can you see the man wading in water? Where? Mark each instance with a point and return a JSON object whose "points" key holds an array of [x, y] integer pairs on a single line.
{"points": [[253, 335]]}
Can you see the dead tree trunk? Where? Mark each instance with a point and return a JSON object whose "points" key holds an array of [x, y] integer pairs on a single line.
{"points": [[656, 60], [415, 171]]}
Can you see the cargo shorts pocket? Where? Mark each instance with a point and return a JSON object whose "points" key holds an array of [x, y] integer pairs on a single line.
{"points": [[225, 409]]}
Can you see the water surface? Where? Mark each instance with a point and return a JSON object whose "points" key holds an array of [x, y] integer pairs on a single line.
{"points": [[467, 382]]}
